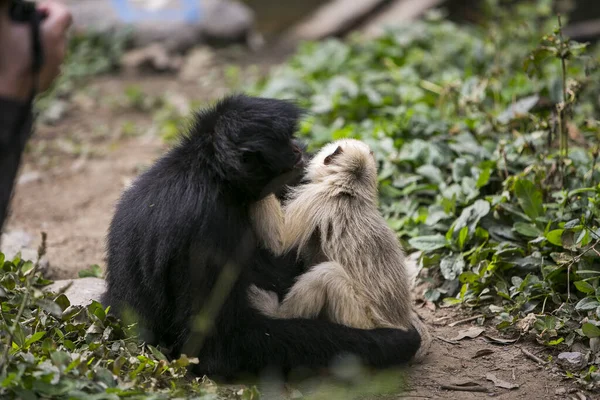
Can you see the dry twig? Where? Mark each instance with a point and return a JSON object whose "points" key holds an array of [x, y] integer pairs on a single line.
{"points": [[474, 388], [462, 321], [532, 356]]}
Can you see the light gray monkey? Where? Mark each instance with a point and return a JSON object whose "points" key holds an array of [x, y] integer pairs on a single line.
{"points": [[358, 275]]}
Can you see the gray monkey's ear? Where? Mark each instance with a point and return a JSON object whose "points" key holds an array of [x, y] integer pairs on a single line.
{"points": [[332, 156]]}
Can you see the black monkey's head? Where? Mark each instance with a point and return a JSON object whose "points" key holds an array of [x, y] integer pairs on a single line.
{"points": [[250, 144]]}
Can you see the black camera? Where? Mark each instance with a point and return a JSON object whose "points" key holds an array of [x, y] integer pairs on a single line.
{"points": [[26, 12], [21, 10]]}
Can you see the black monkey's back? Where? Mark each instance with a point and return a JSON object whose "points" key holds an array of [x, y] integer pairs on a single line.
{"points": [[184, 219]]}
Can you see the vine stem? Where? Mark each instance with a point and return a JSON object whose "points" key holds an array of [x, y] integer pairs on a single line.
{"points": [[576, 259], [24, 301], [564, 139]]}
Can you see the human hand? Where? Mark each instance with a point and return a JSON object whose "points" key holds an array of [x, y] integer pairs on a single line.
{"points": [[16, 54]]}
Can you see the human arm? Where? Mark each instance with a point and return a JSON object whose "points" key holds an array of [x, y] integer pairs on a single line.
{"points": [[17, 83]]}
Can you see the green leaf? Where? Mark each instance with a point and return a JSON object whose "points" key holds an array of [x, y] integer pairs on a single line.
{"points": [[470, 217], [62, 301], [27, 268], [462, 237], [468, 277], [19, 336], [60, 358], [431, 172], [50, 307], [484, 177], [555, 237], [428, 243], [584, 287], [452, 266], [526, 229], [34, 338], [588, 303], [519, 108], [94, 271], [460, 169], [556, 341], [157, 353], [590, 330], [529, 198]]}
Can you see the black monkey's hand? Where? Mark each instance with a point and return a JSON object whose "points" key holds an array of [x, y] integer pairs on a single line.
{"points": [[279, 185]]}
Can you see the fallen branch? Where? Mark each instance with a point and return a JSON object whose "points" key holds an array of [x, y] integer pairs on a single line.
{"points": [[462, 321], [443, 339], [465, 388], [532, 356]]}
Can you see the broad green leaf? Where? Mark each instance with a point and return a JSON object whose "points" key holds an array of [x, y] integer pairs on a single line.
{"points": [[471, 216], [431, 172], [452, 266], [555, 237], [62, 301], [584, 287], [428, 243], [468, 277], [157, 353], [527, 229], [50, 307], [460, 169], [432, 294], [574, 223], [590, 330], [60, 358], [27, 267], [18, 335], [587, 303], [529, 198], [34, 338], [93, 271], [519, 108], [484, 176], [583, 238]]}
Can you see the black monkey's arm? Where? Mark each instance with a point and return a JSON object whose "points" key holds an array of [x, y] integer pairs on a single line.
{"points": [[276, 274], [294, 343], [314, 343]]}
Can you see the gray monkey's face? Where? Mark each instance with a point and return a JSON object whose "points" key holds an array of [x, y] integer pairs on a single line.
{"points": [[342, 156]]}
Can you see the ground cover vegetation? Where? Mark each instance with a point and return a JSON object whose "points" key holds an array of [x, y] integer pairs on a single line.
{"points": [[488, 141]]}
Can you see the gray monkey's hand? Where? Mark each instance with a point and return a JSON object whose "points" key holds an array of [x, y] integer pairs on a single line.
{"points": [[264, 301]]}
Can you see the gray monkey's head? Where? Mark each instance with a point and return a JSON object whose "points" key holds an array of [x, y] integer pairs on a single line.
{"points": [[348, 162]]}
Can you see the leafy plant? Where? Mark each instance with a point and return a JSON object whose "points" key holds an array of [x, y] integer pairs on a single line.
{"points": [[52, 349], [94, 271], [487, 140]]}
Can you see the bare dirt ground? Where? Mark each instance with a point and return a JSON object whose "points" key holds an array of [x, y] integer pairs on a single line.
{"points": [[75, 170]]}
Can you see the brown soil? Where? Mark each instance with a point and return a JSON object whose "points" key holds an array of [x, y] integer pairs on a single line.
{"points": [[82, 165]]}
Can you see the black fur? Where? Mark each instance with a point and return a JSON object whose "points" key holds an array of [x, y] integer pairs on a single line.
{"points": [[186, 217]]}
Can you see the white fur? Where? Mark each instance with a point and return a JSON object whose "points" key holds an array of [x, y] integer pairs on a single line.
{"points": [[365, 282], [268, 221]]}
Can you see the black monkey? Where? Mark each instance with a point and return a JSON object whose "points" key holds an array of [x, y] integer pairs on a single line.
{"points": [[186, 220]]}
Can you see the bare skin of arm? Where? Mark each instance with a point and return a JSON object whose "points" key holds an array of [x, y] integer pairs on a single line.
{"points": [[17, 83]]}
